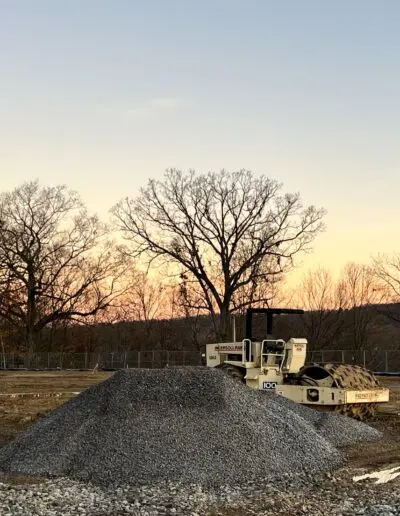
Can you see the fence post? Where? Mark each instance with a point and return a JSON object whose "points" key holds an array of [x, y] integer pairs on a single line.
{"points": [[125, 360], [138, 359], [364, 361], [386, 362], [343, 359], [322, 356], [152, 358]]}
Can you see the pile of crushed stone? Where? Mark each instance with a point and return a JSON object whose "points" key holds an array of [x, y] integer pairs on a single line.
{"points": [[339, 430], [186, 425]]}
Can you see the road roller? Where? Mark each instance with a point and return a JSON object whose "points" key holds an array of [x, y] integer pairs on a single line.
{"points": [[275, 365]]}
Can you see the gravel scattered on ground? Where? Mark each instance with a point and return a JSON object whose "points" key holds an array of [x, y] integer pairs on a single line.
{"points": [[68, 497], [329, 495]]}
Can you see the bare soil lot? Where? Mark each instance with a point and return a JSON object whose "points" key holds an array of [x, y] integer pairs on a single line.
{"points": [[35, 394]]}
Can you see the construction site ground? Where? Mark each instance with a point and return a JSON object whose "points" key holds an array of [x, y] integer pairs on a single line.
{"points": [[26, 395]]}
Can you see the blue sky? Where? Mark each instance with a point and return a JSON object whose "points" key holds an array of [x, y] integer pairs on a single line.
{"points": [[102, 95]]}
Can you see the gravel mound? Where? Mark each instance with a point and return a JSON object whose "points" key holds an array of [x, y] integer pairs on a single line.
{"points": [[343, 431], [339, 430], [185, 425]]}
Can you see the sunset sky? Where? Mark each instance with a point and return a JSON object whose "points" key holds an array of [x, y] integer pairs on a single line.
{"points": [[102, 95]]}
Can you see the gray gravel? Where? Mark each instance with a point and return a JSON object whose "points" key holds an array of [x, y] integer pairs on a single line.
{"points": [[70, 498], [339, 430], [327, 496], [164, 441], [191, 425]]}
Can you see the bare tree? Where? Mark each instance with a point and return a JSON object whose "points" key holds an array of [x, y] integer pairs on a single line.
{"points": [[145, 298], [324, 302], [387, 272], [358, 284], [224, 231], [190, 310], [265, 290], [53, 264]]}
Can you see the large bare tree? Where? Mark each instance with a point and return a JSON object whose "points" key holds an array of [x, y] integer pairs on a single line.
{"points": [[53, 264], [225, 231]]}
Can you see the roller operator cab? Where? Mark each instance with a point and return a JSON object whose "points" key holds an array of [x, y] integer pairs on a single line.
{"points": [[279, 366]]}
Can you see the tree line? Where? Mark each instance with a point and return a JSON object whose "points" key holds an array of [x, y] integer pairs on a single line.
{"points": [[173, 265]]}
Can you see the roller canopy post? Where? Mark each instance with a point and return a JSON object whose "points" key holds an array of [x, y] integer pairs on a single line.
{"points": [[269, 312]]}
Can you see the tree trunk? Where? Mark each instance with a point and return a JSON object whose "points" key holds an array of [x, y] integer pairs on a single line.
{"points": [[3, 351], [224, 327], [30, 347]]}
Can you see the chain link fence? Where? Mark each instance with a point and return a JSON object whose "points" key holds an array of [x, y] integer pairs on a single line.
{"points": [[375, 359], [116, 360]]}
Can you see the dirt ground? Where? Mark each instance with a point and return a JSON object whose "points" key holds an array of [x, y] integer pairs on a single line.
{"points": [[26, 395], [386, 452]]}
